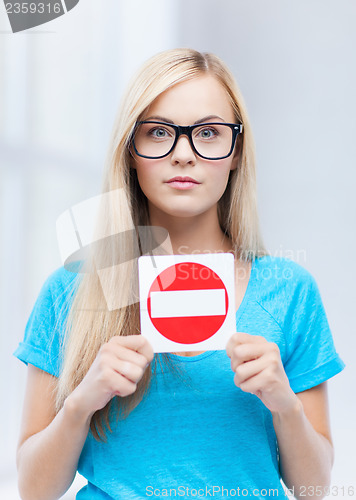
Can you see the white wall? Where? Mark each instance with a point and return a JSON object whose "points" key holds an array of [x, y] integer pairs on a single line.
{"points": [[60, 85]]}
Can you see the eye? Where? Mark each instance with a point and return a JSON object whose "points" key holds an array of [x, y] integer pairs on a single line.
{"points": [[206, 133], [159, 133]]}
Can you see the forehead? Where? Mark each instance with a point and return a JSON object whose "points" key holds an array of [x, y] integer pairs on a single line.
{"points": [[192, 100]]}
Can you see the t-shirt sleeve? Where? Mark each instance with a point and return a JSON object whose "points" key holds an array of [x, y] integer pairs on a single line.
{"points": [[45, 329], [311, 354]]}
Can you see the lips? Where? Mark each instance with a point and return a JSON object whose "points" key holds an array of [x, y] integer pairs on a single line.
{"points": [[183, 179]]}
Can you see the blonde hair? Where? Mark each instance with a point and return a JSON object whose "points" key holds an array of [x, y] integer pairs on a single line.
{"points": [[90, 324]]}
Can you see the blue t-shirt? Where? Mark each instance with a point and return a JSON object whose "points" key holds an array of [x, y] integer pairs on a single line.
{"points": [[198, 434]]}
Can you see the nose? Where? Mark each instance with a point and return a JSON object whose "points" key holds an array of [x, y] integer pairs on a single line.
{"points": [[183, 152]]}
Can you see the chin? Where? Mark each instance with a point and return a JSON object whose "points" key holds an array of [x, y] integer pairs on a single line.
{"points": [[185, 211]]}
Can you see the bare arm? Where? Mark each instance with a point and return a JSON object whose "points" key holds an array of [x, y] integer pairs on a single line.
{"points": [[305, 445], [50, 445]]}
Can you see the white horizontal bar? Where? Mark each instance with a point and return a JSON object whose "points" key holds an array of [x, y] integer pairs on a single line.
{"points": [[180, 303]]}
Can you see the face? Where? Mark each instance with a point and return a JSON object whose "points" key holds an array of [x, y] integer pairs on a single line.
{"points": [[202, 99]]}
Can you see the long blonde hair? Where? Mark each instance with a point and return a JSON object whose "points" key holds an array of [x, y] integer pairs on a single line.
{"points": [[90, 324]]}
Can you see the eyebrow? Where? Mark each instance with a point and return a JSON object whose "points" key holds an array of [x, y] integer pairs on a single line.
{"points": [[202, 120]]}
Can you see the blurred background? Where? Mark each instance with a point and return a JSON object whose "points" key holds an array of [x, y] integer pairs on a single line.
{"points": [[60, 86]]}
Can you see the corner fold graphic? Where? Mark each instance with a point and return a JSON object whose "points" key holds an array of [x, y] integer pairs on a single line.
{"points": [[26, 15]]}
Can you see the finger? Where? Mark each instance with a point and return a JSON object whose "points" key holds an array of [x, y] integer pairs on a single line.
{"points": [[242, 338], [243, 353], [138, 343], [250, 369], [254, 385], [127, 354], [130, 371], [272, 374], [121, 386]]}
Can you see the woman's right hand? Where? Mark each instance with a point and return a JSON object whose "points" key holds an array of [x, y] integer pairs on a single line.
{"points": [[116, 371]]}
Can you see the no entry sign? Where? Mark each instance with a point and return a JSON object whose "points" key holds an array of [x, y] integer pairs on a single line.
{"points": [[187, 301]]}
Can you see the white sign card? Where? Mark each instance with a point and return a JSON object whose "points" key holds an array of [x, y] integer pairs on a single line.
{"points": [[187, 302]]}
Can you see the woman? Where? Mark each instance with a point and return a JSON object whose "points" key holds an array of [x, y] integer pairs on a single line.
{"points": [[215, 423]]}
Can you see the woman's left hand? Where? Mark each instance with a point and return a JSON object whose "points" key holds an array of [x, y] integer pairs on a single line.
{"points": [[259, 370]]}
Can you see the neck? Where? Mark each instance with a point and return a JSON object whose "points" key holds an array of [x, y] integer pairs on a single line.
{"points": [[199, 234]]}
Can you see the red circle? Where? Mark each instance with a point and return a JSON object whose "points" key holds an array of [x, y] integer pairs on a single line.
{"points": [[187, 276]]}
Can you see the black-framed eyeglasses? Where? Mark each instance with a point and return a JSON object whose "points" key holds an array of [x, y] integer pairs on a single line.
{"points": [[211, 141]]}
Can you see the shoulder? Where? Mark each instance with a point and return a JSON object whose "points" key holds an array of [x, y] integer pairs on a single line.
{"points": [[62, 278], [284, 288], [46, 326], [288, 267], [59, 288], [281, 273]]}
